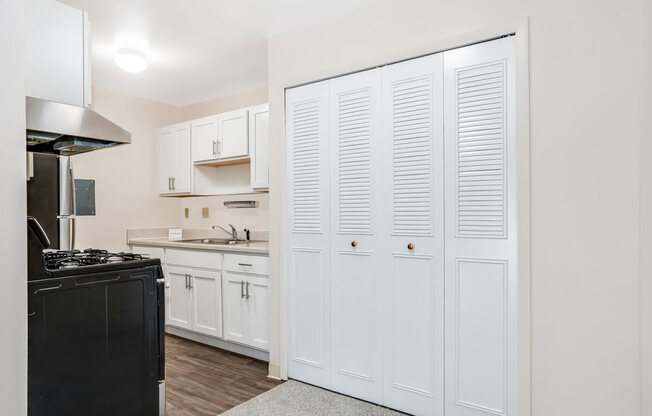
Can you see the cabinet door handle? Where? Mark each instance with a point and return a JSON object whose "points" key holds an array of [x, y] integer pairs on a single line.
{"points": [[242, 295], [190, 281], [214, 147], [247, 286], [354, 243], [219, 146], [169, 183], [167, 285], [186, 277], [246, 264], [173, 183], [410, 246]]}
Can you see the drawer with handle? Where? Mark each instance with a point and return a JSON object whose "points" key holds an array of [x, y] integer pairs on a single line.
{"points": [[194, 258], [243, 263], [149, 252]]}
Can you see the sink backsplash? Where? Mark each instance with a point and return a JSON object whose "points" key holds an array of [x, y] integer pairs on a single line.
{"points": [[251, 218]]}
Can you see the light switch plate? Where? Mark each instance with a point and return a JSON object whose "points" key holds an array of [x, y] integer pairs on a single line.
{"points": [[204, 213]]}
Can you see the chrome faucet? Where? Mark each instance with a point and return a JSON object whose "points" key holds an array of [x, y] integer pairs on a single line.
{"points": [[233, 232]]}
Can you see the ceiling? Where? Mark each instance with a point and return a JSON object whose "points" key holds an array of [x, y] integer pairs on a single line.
{"points": [[197, 49]]}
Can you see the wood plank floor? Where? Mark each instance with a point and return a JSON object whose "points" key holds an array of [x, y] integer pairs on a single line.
{"points": [[203, 380]]}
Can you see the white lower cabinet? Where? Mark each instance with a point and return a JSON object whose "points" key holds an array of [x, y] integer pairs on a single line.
{"points": [[245, 309], [195, 300], [200, 298], [179, 305], [206, 288]]}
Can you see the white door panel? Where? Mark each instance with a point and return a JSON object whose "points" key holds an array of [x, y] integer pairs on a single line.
{"points": [[480, 166], [307, 129], [356, 320], [259, 146], [179, 307], [413, 362], [233, 137], [204, 132], [183, 173], [166, 160], [207, 302], [236, 323], [258, 301]]}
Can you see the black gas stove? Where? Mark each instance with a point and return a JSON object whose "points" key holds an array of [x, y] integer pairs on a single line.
{"points": [[96, 342], [76, 262]]}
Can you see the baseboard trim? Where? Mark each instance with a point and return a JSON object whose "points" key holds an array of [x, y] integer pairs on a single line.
{"points": [[219, 343], [274, 371]]}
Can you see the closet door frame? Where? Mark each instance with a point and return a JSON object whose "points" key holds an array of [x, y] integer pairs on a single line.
{"points": [[280, 270]]}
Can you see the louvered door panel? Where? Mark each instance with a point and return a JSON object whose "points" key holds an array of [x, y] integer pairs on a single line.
{"points": [[413, 278], [306, 170], [307, 144], [480, 257], [412, 151], [481, 150], [354, 131], [355, 287]]}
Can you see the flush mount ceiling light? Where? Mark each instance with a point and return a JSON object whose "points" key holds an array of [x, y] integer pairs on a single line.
{"points": [[131, 60]]}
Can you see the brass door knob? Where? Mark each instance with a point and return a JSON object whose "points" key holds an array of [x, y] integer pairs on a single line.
{"points": [[410, 246], [354, 243]]}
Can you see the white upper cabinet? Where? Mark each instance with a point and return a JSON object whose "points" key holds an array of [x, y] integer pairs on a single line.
{"points": [[57, 58], [259, 146], [175, 166], [205, 136], [233, 138], [208, 156]]}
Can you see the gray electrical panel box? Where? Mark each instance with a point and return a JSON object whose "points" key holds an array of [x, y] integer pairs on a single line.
{"points": [[85, 192]]}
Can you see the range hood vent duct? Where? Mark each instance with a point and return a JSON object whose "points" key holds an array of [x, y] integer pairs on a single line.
{"points": [[68, 130]]}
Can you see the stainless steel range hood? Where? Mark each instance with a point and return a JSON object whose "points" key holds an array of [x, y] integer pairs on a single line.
{"points": [[67, 130]]}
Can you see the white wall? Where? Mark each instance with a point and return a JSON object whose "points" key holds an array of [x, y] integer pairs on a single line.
{"points": [[13, 244], [251, 218], [585, 73], [645, 250], [125, 176]]}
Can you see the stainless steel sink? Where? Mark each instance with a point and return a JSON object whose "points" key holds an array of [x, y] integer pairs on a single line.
{"points": [[220, 241]]}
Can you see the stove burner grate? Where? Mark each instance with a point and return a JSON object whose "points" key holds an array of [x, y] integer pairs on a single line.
{"points": [[65, 259]]}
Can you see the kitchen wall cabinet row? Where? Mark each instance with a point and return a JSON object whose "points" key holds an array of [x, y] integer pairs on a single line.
{"points": [[402, 233], [218, 154], [222, 295]]}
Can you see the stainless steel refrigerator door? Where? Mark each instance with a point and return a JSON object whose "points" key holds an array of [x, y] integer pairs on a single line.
{"points": [[67, 204]]}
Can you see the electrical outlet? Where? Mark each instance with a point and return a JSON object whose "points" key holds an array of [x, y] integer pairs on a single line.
{"points": [[186, 212], [204, 213]]}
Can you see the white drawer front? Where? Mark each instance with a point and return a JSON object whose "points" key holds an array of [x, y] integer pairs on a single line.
{"points": [[246, 264], [151, 252], [194, 258]]}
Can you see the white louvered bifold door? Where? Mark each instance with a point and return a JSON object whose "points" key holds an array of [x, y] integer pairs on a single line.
{"points": [[307, 144], [355, 237], [413, 236], [480, 194]]}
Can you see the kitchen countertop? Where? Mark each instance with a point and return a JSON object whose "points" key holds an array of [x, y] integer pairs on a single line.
{"points": [[257, 247]]}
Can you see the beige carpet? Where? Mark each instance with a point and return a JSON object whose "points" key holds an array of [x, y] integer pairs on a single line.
{"points": [[298, 399]]}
